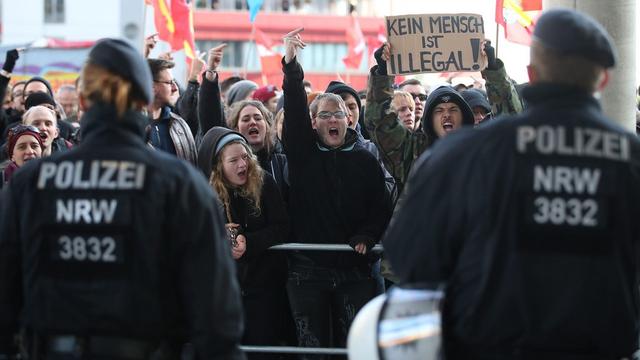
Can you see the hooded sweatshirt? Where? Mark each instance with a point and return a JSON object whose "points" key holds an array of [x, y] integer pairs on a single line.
{"points": [[441, 95]]}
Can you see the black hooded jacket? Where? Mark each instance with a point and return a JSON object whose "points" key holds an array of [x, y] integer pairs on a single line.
{"points": [[539, 252], [337, 196], [156, 265], [258, 268], [441, 95]]}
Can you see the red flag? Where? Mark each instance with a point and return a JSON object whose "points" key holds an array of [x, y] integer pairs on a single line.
{"points": [[174, 23], [269, 59], [355, 45], [184, 36], [163, 20], [518, 17]]}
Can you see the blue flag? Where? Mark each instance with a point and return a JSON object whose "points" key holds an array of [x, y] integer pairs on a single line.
{"points": [[254, 7]]}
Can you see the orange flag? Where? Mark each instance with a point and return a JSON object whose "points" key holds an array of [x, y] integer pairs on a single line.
{"points": [[518, 18]]}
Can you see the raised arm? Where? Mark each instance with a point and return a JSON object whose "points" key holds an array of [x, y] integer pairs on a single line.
{"points": [[297, 133], [210, 109], [188, 103], [501, 90]]}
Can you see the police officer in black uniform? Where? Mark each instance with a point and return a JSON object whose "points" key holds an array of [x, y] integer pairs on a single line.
{"points": [[112, 250], [531, 221]]}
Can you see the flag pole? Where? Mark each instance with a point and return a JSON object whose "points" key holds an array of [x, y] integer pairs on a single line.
{"points": [[252, 40], [497, 38]]}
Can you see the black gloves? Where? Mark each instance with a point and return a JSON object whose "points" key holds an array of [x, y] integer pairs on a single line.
{"points": [[382, 65], [10, 60], [492, 64]]}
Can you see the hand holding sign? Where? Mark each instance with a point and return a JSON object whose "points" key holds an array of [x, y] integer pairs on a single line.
{"points": [[382, 55], [293, 42], [435, 43]]}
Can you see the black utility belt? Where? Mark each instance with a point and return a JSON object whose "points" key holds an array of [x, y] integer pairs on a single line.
{"points": [[102, 346]]}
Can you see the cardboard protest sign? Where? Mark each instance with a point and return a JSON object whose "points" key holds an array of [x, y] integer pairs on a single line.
{"points": [[435, 43]]}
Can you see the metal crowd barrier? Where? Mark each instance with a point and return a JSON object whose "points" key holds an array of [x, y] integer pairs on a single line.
{"points": [[293, 350], [305, 350], [320, 247]]}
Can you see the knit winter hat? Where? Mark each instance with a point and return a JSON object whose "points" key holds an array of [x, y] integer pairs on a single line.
{"points": [[475, 97], [212, 143], [265, 93], [240, 90], [338, 87], [17, 132]]}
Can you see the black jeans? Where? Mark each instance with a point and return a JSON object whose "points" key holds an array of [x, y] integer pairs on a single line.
{"points": [[324, 302]]}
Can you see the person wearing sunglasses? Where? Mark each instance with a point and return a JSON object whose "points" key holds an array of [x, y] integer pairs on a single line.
{"points": [[23, 144], [419, 94]]}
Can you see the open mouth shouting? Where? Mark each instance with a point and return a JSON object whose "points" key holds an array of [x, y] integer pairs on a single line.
{"points": [[447, 126], [254, 131], [334, 132]]}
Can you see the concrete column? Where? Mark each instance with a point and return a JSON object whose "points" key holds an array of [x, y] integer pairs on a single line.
{"points": [[132, 20], [619, 18]]}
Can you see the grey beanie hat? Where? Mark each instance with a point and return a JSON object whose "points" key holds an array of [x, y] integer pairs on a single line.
{"points": [[240, 90]]}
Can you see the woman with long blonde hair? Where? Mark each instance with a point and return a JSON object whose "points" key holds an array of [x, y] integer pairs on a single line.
{"points": [[256, 219]]}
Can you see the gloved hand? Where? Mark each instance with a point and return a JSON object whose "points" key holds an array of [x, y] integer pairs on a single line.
{"points": [[10, 60], [380, 59], [492, 64]]}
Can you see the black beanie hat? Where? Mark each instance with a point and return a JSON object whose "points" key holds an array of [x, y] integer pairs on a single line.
{"points": [[38, 98], [338, 87], [124, 60], [208, 149], [42, 80], [475, 97]]}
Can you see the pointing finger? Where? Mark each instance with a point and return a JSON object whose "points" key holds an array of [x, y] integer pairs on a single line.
{"points": [[295, 32]]}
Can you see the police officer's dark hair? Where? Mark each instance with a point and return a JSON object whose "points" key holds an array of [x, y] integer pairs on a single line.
{"points": [[98, 84], [157, 65], [553, 66]]}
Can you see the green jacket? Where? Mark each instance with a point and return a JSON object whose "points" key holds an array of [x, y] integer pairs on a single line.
{"points": [[398, 146], [501, 91]]}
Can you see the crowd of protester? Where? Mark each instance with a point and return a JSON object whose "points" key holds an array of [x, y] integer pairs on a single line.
{"points": [[288, 164]]}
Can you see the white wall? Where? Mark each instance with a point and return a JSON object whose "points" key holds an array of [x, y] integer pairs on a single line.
{"points": [[84, 20]]}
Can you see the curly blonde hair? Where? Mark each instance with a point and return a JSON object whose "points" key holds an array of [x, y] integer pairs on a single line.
{"points": [[251, 190], [234, 117]]}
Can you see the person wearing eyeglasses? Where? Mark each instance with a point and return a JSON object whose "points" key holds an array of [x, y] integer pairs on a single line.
{"points": [[23, 144], [337, 196], [167, 131]]}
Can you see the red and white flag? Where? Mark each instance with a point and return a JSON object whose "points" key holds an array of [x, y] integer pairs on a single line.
{"points": [[269, 59], [355, 45], [518, 18]]}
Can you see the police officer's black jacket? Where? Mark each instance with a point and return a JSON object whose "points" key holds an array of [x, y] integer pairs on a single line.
{"points": [[114, 239], [337, 196], [531, 221]]}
